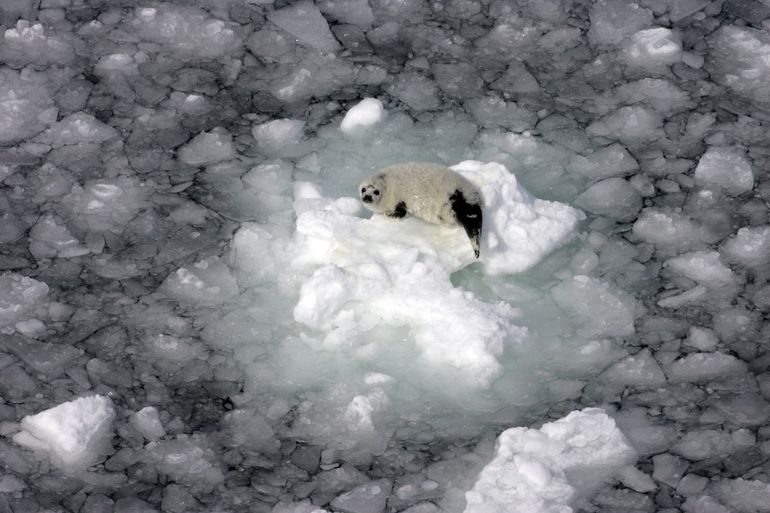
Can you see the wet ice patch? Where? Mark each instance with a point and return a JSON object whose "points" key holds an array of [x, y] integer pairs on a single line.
{"points": [[549, 469], [73, 434]]}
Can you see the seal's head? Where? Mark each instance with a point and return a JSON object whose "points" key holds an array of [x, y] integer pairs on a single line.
{"points": [[371, 191]]}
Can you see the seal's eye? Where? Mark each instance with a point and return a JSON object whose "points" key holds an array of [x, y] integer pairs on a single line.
{"points": [[363, 190], [376, 192]]}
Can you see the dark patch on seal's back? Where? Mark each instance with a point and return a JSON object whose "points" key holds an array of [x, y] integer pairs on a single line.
{"points": [[399, 211]]}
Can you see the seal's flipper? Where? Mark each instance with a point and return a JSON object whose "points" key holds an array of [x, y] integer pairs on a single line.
{"points": [[469, 216], [399, 211]]}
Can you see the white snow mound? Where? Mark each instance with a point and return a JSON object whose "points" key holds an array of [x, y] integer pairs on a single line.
{"points": [[73, 434], [380, 271], [545, 470]]}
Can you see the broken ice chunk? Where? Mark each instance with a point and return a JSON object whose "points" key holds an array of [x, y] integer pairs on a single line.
{"points": [[73, 434]]}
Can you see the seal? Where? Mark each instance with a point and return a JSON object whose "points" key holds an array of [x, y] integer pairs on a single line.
{"points": [[427, 191]]}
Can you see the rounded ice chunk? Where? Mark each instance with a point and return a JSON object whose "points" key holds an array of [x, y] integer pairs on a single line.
{"points": [[613, 197], [78, 128], [704, 267], [362, 115], [205, 282], [304, 21], [50, 237], [614, 20], [740, 59], [186, 31], [27, 43], [631, 125], [147, 422], [19, 296], [639, 370], [598, 309], [704, 367], [653, 49], [669, 230], [73, 434], [281, 137], [612, 160], [749, 247], [208, 148], [723, 167], [26, 107]]}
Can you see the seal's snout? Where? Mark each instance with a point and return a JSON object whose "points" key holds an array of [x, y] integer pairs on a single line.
{"points": [[366, 198]]}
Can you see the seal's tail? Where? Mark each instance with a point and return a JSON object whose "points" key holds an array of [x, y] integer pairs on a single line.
{"points": [[469, 216]]}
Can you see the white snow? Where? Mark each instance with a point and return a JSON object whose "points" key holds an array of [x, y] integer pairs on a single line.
{"points": [[73, 434], [519, 229], [548, 469]]}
